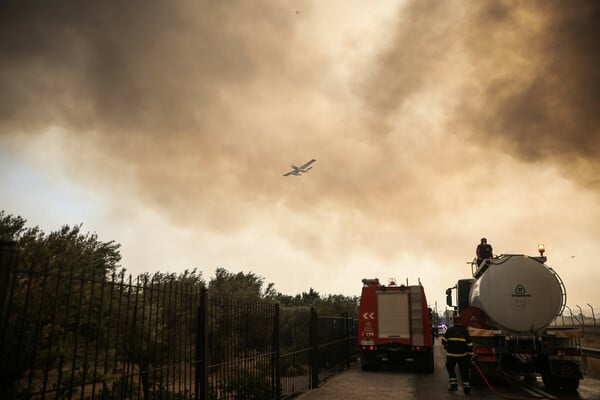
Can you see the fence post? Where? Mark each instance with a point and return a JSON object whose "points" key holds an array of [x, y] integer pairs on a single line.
{"points": [[593, 315], [276, 355], [7, 259], [314, 349], [347, 339], [202, 348]]}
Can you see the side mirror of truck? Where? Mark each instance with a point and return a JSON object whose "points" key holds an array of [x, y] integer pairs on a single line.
{"points": [[449, 297]]}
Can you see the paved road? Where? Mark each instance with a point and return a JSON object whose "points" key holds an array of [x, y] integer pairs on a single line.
{"points": [[389, 383]]}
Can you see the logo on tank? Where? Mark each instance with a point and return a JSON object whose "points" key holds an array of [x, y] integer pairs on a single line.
{"points": [[520, 291]]}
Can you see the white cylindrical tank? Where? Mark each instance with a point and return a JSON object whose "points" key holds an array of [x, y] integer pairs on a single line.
{"points": [[518, 294]]}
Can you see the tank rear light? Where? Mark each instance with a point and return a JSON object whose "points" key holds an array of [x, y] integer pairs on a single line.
{"points": [[370, 348], [485, 354], [487, 358]]}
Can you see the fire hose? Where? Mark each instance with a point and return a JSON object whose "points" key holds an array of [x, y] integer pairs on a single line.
{"points": [[498, 393]]}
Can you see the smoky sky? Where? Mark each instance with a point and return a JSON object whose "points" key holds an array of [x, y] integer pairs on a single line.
{"points": [[151, 67], [169, 124], [186, 96], [532, 78], [549, 112], [160, 88]]}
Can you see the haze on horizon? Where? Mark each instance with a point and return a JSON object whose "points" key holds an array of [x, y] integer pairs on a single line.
{"points": [[167, 126]]}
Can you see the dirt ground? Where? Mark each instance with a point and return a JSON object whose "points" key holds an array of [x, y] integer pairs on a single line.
{"points": [[591, 365]]}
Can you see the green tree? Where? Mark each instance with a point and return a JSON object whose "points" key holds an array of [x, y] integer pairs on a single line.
{"points": [[65, 248], [39, 327], [241, 286], [164, 311], [310, 298], [331, 305], [241, 306]]}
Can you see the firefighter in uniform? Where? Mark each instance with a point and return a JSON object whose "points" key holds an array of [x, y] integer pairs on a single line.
{"points": [[459, 350], [484, 250]]}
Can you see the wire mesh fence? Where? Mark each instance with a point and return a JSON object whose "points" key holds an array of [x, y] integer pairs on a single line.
{"points": [[579, 317]]}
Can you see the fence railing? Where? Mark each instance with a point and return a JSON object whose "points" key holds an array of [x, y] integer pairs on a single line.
{"points": [[70, 332], [590, 352], [587, 325]]}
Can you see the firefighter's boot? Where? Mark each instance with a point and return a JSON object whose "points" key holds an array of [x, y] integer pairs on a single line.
{"points": [[466, 388], [453, 385]]}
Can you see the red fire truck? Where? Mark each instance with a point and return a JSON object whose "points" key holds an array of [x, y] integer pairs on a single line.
{"points": [[394, 326]]}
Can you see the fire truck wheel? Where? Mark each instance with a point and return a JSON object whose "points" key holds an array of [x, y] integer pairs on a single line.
{"points": [[368, 364], [424, 362]]}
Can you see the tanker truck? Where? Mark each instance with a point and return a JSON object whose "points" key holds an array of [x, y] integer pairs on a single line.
{"points": [[508, 307]]}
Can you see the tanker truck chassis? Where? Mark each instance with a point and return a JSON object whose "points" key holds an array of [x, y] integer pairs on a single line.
{"points": [[555, 356], [508, 308]]}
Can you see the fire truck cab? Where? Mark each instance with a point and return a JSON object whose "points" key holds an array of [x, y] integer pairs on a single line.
{"points": [[394, 326]]}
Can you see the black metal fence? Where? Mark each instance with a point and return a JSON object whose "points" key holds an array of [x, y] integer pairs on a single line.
{"points": [[74, 333]]}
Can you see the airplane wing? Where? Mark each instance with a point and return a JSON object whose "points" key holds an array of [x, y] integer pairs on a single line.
{"points": [[307, 164], [298, 170], [292, 172]]}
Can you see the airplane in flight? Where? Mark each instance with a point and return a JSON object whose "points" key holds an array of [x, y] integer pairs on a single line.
{"points": [[299, 170]]}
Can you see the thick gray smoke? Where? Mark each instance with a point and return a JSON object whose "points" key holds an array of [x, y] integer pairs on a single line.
{"points": [[121, 67], [532, 75], [166, 91], [203, 102]]}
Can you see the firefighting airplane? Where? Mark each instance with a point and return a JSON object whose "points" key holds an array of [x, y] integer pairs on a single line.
{"points": [[299, 170]]}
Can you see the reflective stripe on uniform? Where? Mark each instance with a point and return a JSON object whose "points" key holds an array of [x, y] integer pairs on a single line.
{"points": [[452, 339], [457, 355]]}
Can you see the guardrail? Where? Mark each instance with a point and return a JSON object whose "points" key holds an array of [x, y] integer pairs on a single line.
{"points": [[590, 352]]}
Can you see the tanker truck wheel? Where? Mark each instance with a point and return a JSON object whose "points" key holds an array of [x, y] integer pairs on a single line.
{"points": [[550, 382], [555, 382], [570, 384]]}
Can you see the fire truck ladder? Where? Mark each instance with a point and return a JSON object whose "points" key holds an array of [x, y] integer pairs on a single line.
{"points": [[416, 316]]}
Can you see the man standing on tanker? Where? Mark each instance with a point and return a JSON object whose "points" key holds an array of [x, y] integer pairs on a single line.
{"points": [[484, 250], [459, 350]]}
